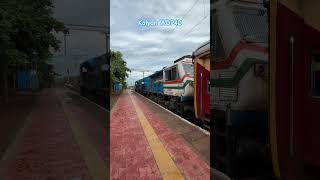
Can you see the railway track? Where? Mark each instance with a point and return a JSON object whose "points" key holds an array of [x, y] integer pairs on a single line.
{"points": [[91, 99], [189, 120]]}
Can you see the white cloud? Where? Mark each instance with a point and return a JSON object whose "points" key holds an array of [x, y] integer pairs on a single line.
{"points": [[156, 47], [81, 45]]}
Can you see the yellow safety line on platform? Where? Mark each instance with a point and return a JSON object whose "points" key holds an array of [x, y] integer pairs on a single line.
{"points": [[95, 164], [166, 165]]}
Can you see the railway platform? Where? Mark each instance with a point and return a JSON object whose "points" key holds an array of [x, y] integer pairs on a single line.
{"points": [[148, 142], [63, 138]]}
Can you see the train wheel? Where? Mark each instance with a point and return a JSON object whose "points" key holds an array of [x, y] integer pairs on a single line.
{"points": [[180, 109], [167, 104], [155, 99], [160, 99], [173, 104], [205, 124]]}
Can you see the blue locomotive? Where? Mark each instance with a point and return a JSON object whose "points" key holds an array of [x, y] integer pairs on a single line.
{"points": [[94, 78]]}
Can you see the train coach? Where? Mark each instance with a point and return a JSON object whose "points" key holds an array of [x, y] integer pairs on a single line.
{"points": [[295, 89], [201, 61]]}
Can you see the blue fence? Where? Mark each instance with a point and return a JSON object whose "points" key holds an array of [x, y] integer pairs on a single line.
{"points": [[117, 87], [27, 79]]}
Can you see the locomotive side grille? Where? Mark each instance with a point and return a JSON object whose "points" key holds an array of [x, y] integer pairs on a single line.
{"points": [[227, 74], [252, 24], [224, 94], [228, 94]]}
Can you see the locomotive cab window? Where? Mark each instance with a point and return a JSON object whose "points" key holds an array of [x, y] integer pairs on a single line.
{"points": [[174, 73], [188, 68], [167, 75], [315, 75], [171, 74]]}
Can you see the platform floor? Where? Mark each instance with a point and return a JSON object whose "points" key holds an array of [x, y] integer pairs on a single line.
{"points": [[63, 138], [145, 145]]}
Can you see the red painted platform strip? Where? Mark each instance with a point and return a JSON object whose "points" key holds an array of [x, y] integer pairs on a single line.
{"points": [[48, 149], [190, 164], [130, 154]]}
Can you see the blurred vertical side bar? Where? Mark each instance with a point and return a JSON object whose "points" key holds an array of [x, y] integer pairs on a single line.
{"points": [[272, 83], [214, 173], [108, 83]]}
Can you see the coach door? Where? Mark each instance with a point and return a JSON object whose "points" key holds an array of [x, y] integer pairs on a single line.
{"points": [[310, 143], [288, 92], [203, 96]]}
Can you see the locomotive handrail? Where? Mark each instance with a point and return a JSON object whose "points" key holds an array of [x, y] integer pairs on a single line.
{"points": [[292, 96], [183, 57]]}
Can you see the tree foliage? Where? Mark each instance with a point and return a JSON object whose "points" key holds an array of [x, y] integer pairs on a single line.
{"points": [[26, 28], [119, 69], [46, 74], [26, 34]]}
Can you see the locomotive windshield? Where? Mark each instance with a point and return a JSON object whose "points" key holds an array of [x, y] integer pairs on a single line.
{"points": [[252, 24], [188, 68]]}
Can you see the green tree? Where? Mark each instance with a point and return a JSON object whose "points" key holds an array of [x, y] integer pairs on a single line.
{"points": [[26, 34], [119, 69], [46, 74]]}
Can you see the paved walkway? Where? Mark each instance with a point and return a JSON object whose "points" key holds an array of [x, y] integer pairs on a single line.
{"points": [[56, 143], [143, 147]]}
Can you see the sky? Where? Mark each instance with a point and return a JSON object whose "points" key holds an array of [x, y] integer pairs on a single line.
{"points": [[152, 48], [144, 48], [81, 45]]}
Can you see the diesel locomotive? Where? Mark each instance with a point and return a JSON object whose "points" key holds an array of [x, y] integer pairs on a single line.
{"points": [[239, 88], [183, 87], [94, 78], [171, 87]]}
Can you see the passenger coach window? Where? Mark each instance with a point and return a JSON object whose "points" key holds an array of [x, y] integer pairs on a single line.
{"points": [[315, 76]]}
